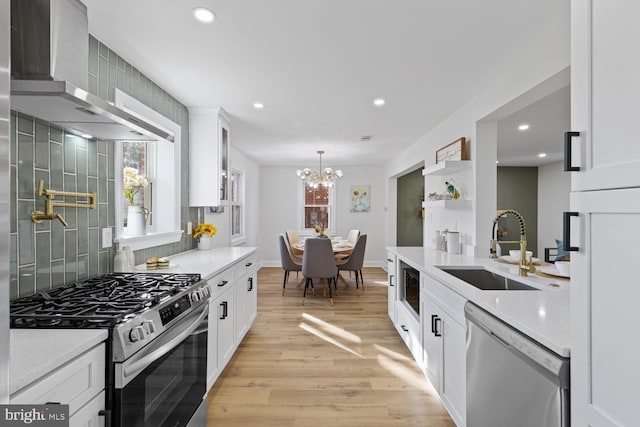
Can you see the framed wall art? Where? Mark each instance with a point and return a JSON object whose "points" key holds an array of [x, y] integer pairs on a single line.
{"points": [[453, 151], [360, 201]]}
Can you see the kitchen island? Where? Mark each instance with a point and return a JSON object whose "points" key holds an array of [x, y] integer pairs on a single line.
{"points": [[427, 307], [542, 315]]}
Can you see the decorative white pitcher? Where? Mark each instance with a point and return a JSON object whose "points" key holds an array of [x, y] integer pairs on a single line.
{"points": [[205, 242], [136, 221]]}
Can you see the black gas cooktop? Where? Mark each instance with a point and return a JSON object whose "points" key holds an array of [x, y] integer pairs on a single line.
{"points": [[99, 302]]}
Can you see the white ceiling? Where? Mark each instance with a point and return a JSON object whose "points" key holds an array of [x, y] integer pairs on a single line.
{"points": [[318, 65], [548, 120]]}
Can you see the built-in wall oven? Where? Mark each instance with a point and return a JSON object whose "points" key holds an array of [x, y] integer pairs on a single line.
{"points": [[157, 347], [409, 290]]}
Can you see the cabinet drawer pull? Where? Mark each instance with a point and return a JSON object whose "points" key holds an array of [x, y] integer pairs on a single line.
{"points": [[224, 310], [221, 284], [107, 416], [436, 332], [566, 232], [389, 260], [391, 280], [404, 328], [249, 264], [250, 280], [433, 323], [567, 152]]}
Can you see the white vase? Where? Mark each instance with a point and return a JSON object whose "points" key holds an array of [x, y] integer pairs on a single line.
{"points": [[205, 242], [136, 221]]}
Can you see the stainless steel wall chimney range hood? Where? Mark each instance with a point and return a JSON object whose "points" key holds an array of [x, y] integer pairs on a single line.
{"points": [[49, 69]]}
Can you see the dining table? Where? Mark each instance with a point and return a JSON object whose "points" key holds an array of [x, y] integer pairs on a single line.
{"points": [[340, 248]]}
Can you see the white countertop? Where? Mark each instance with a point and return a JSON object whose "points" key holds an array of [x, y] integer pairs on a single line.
{"points": [[36, 352], [206, 262], [542, 315]]}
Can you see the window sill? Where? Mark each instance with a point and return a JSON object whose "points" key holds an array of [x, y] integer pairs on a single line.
{"points": [[150, 240]]}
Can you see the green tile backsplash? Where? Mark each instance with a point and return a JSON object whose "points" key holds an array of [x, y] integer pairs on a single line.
{"points": [[47, 255]]}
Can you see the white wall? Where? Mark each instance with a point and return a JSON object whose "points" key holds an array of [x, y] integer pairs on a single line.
{"points": [[544, 61], [279, 209], [554, 185]]}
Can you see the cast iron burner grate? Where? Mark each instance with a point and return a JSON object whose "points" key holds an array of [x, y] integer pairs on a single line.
{"points": [[99, 302]]}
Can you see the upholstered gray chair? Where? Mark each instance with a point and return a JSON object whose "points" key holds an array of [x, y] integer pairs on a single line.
{"points": [[318, 261], [355, 261], [289, 261]]}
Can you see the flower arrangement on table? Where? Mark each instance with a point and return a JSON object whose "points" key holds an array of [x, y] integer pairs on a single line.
{"points": [[131, 183], [319, 229], [203, 230]]}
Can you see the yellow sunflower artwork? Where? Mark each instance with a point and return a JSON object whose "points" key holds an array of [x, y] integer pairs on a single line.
{"points": [[360, 198]]}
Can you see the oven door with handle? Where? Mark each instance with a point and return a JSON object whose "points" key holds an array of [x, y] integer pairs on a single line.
{"points": [[164, 383]]}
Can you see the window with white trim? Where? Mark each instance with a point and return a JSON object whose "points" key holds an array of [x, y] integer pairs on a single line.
{"points": [[161, 197], [317, 207], [237, 202]]}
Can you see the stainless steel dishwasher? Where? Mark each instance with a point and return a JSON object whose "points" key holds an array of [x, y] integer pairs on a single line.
{"points": [[511, 379]]}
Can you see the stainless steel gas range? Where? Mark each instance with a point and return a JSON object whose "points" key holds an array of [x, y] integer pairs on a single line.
{"points": [[157, 346]]}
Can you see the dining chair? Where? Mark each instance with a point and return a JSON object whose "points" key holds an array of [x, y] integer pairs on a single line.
{"points": [[289, 261], [352, 237], [355, 261], [318, 261], [292, 238]]}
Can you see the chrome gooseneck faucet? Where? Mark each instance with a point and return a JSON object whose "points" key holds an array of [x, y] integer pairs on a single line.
{"points": [[524, 266]]}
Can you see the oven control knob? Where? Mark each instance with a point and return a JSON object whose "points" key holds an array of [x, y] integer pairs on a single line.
{"points": [[136, 334], [196, 296], [149, 327]]}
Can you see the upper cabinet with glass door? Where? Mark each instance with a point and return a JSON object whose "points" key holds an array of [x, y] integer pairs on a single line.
{"points": [[605, 89], [209, 140]]}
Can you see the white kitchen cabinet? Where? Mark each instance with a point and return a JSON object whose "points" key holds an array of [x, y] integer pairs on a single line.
{"points": [[605, 89], [209, 139], [392, 288], [213, 365], [79, 383], [408, 326], [246, 296], [604, 297], [226, 310], [232, 309], [89, 414], [444, 345], [604, 92]]}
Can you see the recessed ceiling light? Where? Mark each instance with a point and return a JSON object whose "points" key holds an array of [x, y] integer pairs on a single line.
{"points": [[378, 102], [258, 105], [203, 14], [497, 161], [542, 155], [523, 127], [86, 135]]}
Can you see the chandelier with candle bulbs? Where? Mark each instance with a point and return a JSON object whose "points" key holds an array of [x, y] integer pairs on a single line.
{"points": [[326, 177]]}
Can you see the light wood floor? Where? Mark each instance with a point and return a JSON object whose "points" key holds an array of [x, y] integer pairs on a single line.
{"points": [[320, 365]]}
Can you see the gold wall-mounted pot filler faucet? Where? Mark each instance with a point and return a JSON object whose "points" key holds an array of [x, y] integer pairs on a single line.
{"points": [[50, 203]]}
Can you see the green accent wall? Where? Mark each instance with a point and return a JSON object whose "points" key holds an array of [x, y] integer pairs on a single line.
{"points": [[47, 255], [518, 190], [410, 196]]}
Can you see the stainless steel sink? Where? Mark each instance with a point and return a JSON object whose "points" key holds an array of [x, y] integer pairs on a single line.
{"points": [[486, 280]]}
